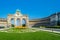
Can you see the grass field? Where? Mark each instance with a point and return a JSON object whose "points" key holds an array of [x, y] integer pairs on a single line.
{"points": [[41, 35]]}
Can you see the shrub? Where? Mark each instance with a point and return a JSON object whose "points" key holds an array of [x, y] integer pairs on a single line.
{"points": [[49, 26], [24, 25], [2, 27], [12, 25]]}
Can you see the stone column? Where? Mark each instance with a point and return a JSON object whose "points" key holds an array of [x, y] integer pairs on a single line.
{"points": [[21, 22], [8, 22], [15, 22], [56, 18], [27, 22]]}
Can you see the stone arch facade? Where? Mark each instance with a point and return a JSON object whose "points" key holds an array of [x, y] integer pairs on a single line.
{"points": [[15, 17]]}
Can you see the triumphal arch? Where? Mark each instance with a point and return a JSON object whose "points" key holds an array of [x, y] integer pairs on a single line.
{"points": [[18, 16]]}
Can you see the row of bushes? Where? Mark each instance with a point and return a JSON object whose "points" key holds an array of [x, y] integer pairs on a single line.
{"points": [[50, 26], [2, 27], [53, 27], [22, 25]]}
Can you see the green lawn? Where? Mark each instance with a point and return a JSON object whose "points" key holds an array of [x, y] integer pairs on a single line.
{"points": [[29, 36]]}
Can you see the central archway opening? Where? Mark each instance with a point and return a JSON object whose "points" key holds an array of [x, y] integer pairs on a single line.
{"points": [[12, 22], [18, 22], [23, 23]]}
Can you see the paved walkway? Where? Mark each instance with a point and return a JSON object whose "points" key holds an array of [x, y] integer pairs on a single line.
{"points": [[46, 29], [49, 30]]}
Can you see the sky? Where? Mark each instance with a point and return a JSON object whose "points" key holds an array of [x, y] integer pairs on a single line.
{"points": [[33, 8]]}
